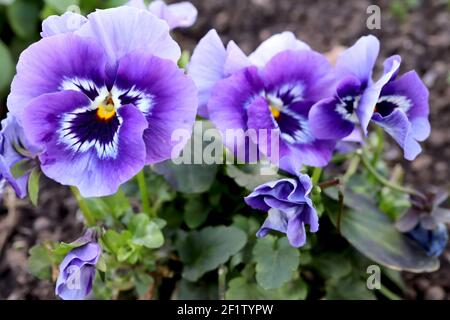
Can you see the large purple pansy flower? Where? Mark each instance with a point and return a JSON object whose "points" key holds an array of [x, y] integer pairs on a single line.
{"points": [[356, 94], [212, 62], [400, 105], [289, 206], [15, 149], [273, 89], [77, 270], [103, 101]]}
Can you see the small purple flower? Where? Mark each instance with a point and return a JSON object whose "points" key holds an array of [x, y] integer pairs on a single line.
{"points": [[289, 206], [425, 211], [402, 110], [77, 270], [432, 241], [425, 222], [273, 89], [103, 101], [399, 106], [15, 148]]}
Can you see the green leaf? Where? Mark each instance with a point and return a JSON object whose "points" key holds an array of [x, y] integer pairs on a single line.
{"points": [[101, 264], [142, 283], [7, 64], [374, 235], [62, 249], [182, 173], [204, 250], [195, 212], [241, 289], [199, 290], [145, 232], [332, 265], [33, 186], [22, 167], [114, 240], [250, 176], [114, 206], [40, 262], [61, 6], [275, 260], [23, 17], [348, 288]]}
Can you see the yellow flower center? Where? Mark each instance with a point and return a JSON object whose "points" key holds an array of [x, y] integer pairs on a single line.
{"points": [[106, 110], [275, 112]]}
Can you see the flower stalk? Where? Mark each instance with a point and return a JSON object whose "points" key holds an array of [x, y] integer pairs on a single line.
{"points": [[385, 181], [144, 194], [88, 216]]}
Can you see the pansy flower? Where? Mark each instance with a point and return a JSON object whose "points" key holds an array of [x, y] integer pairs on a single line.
{"points": [[177, 15], [289, 208], [77, 270], [399, 106], [271, 91], [402, 110], [103, 101], [16, 150]]}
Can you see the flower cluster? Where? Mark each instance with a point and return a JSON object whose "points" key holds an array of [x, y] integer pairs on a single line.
{"points": [[286, 87]]}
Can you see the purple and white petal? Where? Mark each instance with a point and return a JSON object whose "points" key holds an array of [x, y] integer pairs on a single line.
{"points": [[274, 45], [177, 15], [66, 23], [276, 220], [330, 119], [267, 137], [409, 94], [207, 67], [122, 30], [81, 284], [398, 126], [236, 59], [359, 59], [82, 150], [165, 96], [298, 76], [60, 62], [296, 232], [369, 98], [228, 104]]}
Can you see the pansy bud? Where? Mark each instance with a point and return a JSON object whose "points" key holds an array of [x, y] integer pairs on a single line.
{"points": [[15, 149], [77, 270]]}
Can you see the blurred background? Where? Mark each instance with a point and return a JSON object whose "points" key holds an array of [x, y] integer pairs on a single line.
{"points": [[418, 30]]}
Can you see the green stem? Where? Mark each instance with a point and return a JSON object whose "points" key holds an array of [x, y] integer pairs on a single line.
{"points": [[90, 220], [352, 167], [222, 277], [385, 181], [316, 176], [380, 145], [144, 193], [389, 294]]}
